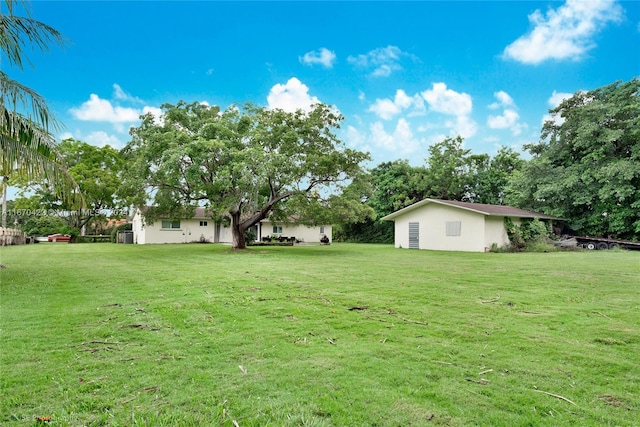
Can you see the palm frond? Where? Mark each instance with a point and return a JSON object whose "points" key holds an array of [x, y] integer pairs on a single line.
{"points": [[28, 152], [19, 32], [16, 96]]}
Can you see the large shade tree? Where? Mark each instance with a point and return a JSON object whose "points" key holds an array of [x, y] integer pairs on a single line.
{"points": [[245, 163], [586, 168], [27, 148]]}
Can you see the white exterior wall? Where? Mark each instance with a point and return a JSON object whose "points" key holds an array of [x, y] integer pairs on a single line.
{"points": [[495, 231], [432, 235], [300, 232], [190, 231], [137, 225]]}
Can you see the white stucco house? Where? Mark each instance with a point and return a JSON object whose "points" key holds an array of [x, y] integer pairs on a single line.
{"points": [[303, 233], [199, 228], [455, 226]]}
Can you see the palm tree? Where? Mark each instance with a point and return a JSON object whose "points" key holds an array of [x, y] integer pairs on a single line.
{"points": [[27, 148]]}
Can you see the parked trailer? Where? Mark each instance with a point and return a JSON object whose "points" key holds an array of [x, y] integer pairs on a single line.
{"points": [[601, 243]]}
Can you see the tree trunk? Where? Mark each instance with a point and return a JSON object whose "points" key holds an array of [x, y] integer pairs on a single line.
{"points": [[237, 232]]}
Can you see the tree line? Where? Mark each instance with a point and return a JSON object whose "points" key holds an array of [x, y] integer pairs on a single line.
{"points": [[247, 163], [585, 169]]}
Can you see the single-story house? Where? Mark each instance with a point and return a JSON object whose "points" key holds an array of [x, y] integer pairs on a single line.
{"points": [[302, 233], [448, 225], [199, 228]]}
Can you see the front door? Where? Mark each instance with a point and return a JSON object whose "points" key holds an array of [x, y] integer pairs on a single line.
{"points": [[414, 235]]}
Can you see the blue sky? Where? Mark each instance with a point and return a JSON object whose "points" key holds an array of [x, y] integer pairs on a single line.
{"points": [[405, 75]]}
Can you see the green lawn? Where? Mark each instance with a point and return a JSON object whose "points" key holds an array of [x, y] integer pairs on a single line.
{"points": [[340, 335]]}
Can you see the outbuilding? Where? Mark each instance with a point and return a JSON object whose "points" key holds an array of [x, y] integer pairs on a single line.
{"points": [[449, 225]]}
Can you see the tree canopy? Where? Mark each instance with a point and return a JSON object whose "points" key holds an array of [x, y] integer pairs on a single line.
{"points": [[245, 163], [451, 172], [586, 168], [96, 170]]}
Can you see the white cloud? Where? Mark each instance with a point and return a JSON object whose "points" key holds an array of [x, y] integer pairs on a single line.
{"points": [[97, 138], [120, 94], [156, 113], [557, 97], [447, 101], [401, 140], [564, 33], [382, 61], [387, 108], [354, 138], [464, 126], [504, 100], [554, 100], [509, 119], [101, 110], [291, 96], [385, 70], [323, 57], [100, 139], [65, 135]]}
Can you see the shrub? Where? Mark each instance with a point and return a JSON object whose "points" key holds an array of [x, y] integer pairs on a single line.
{"points": [[44, 225], [496, 249], [250, 235], [532, 235]]}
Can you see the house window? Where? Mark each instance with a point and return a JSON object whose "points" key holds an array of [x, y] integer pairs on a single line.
{"points": [[203, 223], [322, 229], [453, 228], [170, 225], [277, 229]]}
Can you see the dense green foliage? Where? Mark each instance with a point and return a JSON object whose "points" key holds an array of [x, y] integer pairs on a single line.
{"points": [[28, 215], [529, 234], [245, 163], [451, 173], [97, 171], [339, 335], [44, 225], [393, 186], [586, 168]]}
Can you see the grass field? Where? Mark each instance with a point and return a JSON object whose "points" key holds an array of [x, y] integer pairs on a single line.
{"points": [[340, 335]]}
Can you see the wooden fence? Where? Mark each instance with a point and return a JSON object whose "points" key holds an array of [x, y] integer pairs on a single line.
{"points": [[11, 236]]}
